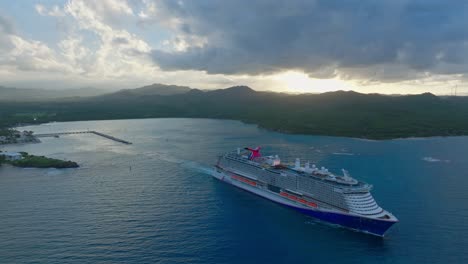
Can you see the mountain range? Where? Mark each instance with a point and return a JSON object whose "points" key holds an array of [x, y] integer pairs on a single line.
{"points": [[341, 113], [29, 94]]}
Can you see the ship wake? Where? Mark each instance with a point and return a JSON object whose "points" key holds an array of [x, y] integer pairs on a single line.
{"points": [[188, 164], [198, 167]]}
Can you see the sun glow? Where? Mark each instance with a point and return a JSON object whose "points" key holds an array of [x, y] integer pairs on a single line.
{"points": [[299, 82]]}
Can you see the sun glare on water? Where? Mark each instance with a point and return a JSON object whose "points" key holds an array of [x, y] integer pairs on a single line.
{"points": [[298, 82]]}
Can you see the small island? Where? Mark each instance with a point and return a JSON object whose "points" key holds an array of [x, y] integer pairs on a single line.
{"points": [[11, 136], [25, 160]]}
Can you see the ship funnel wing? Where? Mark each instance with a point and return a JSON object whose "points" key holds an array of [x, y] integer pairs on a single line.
{"points": [[254, 153]]}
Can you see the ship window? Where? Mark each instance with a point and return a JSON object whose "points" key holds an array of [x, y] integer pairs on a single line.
{"points": [[274, 188]]}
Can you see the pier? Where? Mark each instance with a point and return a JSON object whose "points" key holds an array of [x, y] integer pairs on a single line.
{"points": [[57, 134]]}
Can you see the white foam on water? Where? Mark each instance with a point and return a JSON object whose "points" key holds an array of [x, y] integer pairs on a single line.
{"points": [[343, 153], [150, 154], [205, 169], [53, 172], [431, 159], [163, 156], [366, 139], [198, 167]]}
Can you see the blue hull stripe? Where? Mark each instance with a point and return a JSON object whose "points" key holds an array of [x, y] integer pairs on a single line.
{"points": [[372, 226], [367, 225], [362, 224]]}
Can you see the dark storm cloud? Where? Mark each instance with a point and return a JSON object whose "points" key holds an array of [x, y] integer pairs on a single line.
{"points": [[401, 38]]}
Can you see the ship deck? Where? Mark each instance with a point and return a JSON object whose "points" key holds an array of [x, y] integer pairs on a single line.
{"points": [[289, 170]]}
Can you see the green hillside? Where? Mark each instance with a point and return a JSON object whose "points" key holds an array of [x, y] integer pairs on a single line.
{"points": [[339, 113]]}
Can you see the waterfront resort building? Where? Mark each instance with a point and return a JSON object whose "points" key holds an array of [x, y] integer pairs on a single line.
{"points": [[12, 155]]}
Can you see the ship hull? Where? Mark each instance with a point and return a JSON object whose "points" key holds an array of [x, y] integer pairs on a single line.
{"points": [[367, 225]]}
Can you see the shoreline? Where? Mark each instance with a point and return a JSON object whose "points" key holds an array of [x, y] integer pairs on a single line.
{"points": [[21, 143], [25, 160], [285, 132]]}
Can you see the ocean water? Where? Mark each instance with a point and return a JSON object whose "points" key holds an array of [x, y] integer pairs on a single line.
{"points": [[155, 201]]}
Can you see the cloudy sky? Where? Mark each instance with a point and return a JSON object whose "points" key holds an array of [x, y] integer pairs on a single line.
{"points": [[386, 46]]}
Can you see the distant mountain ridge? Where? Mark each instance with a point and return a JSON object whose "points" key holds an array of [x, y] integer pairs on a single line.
{"points": [[29, 94], [340, 113], [153, 89]]}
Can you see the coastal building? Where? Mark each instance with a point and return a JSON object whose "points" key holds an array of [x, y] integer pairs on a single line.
{"points": [[12, 155]]}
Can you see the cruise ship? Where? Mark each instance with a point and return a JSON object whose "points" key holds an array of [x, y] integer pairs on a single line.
{"points": [[336, 199]]}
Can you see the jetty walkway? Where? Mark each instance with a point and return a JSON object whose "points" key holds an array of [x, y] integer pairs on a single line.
{"points": [[84, 132]]}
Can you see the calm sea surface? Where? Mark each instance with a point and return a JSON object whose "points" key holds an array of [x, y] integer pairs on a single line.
{"points": [[154, 201]]}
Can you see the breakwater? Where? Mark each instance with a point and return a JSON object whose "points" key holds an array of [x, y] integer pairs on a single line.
{"points": [[57, 134]]}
